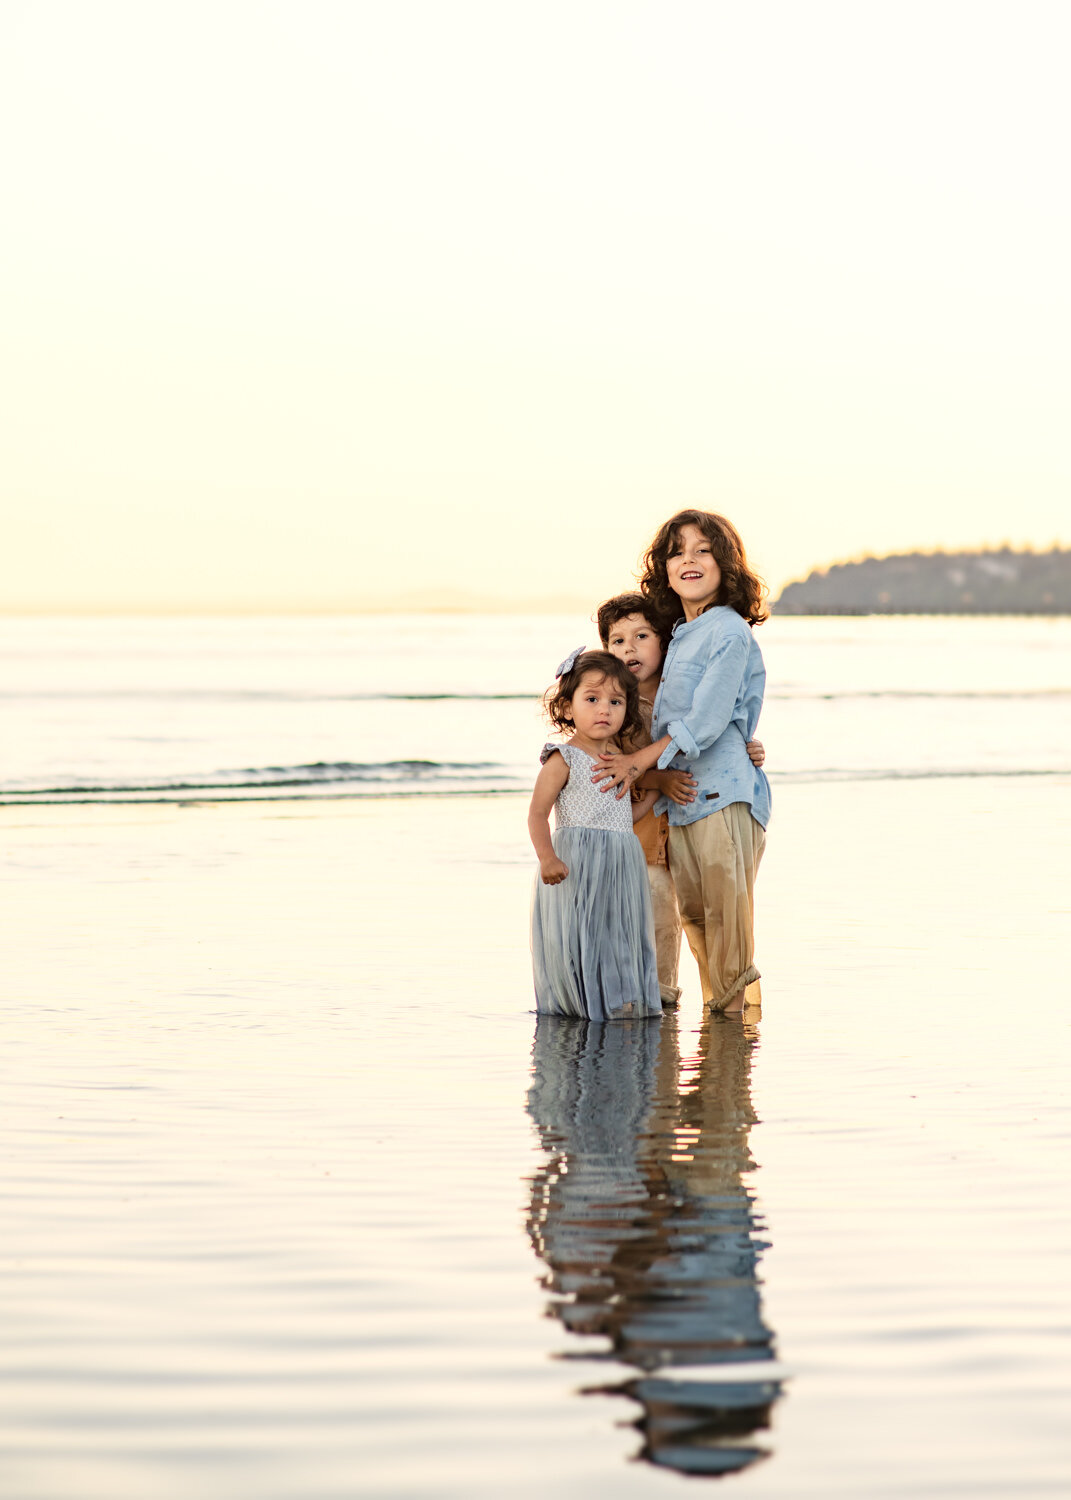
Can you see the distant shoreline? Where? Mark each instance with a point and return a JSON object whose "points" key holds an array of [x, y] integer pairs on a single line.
{"points": [[776, 608], [992, 582], [967, 614]]}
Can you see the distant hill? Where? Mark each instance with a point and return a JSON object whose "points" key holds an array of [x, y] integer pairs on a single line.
{"points": [[937, 583]]}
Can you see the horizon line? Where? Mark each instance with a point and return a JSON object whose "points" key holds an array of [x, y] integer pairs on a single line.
{"points": [[137, 612]]}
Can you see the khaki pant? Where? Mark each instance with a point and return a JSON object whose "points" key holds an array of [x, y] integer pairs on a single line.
{"points": [[667, 930], [714, 863]]}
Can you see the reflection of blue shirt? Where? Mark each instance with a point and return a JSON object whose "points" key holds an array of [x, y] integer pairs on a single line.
{"points": [[709, 700]]}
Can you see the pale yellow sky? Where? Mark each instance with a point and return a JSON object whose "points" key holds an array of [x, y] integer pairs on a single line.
{"points": [[339, 305]]}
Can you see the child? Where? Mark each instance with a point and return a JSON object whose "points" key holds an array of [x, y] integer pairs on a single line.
{"points": [[705, 712], [629, 629], [592, 931]]}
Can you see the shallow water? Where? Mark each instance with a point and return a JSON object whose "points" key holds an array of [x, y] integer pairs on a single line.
{"points": [[289, 1214], [168, 709]]}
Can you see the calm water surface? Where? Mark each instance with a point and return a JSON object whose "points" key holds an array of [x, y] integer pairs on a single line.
{"points": [[146, 710], [299, 1200]]}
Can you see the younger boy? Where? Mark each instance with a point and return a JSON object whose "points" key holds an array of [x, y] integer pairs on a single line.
{"points": [[631, 631]]}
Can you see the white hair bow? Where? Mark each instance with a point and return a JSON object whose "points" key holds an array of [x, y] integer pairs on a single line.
{"points": [[570, 662]]}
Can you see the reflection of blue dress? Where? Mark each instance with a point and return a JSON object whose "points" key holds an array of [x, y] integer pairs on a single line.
{"points": [[593, 935], [591, 1095], [650, 1235]]}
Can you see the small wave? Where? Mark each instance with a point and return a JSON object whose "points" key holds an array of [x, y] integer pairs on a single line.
{"points": [[420, 778], [910, 773], [285, 780], [251, 695], [782, 693], [956, 695]]}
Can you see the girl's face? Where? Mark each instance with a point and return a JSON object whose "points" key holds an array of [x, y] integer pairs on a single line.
{"points": [[597, 708], [692, 571], [637, 645]]}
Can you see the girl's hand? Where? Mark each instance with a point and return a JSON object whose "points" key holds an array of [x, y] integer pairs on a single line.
{"points": [[552, 871], [679, 786], [756, 753], [617, 771]]}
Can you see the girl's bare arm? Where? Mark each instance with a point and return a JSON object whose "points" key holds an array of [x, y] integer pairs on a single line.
{"points": [[552, 777]]}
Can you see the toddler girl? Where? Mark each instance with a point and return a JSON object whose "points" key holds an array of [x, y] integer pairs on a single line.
{"points": [[705, 711], [592, 930]]}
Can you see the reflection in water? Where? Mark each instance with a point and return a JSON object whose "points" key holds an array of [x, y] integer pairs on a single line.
{"points": [[648, 1233]]}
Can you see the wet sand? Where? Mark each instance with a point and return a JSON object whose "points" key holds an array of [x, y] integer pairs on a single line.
{"points": [[284, 1215]]}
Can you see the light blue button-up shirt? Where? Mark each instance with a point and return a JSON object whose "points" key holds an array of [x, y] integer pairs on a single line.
{"points": [[709, 701]]}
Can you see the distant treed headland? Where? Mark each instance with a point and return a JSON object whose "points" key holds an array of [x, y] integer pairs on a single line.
{"points": [[937, 583]]}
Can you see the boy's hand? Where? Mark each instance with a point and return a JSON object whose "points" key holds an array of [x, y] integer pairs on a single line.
{"points": [[756, 752], [616, 773], [678, 786], [552, 871]]}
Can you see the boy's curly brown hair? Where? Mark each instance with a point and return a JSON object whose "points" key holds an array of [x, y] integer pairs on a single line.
{"points": [[623, 605], [740, 588], [556, 699]]}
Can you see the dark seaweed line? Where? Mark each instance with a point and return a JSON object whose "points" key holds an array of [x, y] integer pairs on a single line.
{"points": [[238, 696], [319, 773], [192, 798], [284, 792], [249, 695]]}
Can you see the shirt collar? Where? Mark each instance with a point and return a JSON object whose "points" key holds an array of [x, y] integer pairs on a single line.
{"points": [[706, 617]]}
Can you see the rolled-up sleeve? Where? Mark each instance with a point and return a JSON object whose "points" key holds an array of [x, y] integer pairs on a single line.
{"points": [[713, 702]]}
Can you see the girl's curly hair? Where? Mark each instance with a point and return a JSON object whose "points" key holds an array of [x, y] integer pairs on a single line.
{"points": [[556, 699], [740, 588]]}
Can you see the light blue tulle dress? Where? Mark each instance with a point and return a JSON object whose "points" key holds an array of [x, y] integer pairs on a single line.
{"points": [[593, 949]]}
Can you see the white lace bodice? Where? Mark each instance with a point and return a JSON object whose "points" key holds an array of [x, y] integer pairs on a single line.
{"points": [[580, 804]]}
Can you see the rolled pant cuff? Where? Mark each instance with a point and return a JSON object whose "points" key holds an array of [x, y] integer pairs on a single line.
{"points": [[749, 976]]}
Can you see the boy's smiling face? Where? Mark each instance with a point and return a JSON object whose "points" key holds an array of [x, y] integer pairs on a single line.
{"points": [[633, 640], [692, 570]]}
